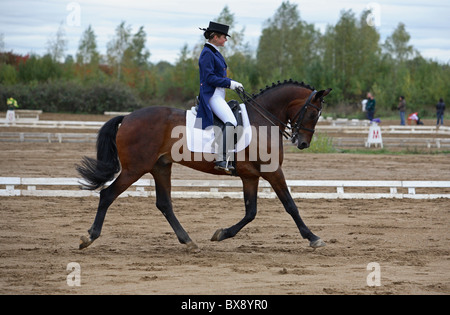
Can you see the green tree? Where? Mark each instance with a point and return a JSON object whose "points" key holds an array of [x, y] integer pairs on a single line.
{"points": [[236, 42], [186, 75], [2, 42], [344, 47], [136, 54], [87, 56], [57, 45], [8, 74], [397, 80], [397, 45], [128, 55], [87, 49], [39, 69], [236, 51], [136, 64], [350, 58], [276, 43], [368, 55], [287, 45], [117, 47]]}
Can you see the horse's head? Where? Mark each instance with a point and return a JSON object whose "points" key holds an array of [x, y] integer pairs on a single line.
{"points": [[304, 113]]}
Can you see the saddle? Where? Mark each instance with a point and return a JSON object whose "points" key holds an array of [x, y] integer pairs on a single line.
{"points": [[199, 140], [240, 141], [237, 112], [235, 108]]}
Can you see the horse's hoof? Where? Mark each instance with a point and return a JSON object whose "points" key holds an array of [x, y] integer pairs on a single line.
{"points": [[218, 236], [192, 248], [85, 242], [317, 243]]}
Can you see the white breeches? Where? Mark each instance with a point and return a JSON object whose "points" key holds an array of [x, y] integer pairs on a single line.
{"points": [[220, 107]]}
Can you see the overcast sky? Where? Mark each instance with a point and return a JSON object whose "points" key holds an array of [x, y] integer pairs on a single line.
{"points": [[27, 25]]}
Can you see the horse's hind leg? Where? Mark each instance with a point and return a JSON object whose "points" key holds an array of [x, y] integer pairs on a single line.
{"points": [[107, 197], [250, 198], [161, 173]]}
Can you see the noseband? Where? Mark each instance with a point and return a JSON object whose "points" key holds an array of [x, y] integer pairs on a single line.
{"points": [[298, 118]]}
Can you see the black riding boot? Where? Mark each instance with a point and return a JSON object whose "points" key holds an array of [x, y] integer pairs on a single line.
{"points": [[223, 160]]}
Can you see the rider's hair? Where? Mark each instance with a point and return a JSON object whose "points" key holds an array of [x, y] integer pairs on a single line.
{"points": [[210, 35]]}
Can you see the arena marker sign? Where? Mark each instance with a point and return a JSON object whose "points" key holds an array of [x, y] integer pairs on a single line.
{"points": [[374, 136]]}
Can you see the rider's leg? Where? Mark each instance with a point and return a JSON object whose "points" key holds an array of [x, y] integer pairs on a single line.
{"points": [[226, 141]]}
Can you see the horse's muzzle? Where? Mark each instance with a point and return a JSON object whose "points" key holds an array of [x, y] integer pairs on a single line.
{"points": [[302, 145]]}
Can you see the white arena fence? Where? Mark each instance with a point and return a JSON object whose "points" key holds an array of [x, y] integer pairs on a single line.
{"points": [[390, 129], [48, 137], [437, 137], [300, 189], [335, 128], [429, 143], [438, 143], [53, 124]]}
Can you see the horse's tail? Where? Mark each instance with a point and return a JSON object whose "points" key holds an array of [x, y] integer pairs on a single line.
{"points": [[96, 172]]}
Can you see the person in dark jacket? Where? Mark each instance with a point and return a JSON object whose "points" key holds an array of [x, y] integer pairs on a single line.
{"points": [[213, 82], [440, 108], [402, 109], [370, 106]]}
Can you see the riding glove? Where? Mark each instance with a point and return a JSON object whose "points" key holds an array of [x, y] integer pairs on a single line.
{"points": [[236, 85]]}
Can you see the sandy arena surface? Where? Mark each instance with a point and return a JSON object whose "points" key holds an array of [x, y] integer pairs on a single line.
{"points": [[138, 252]]}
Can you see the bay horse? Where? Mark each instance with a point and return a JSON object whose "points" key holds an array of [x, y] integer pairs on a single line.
{"points": [[143, 145]]}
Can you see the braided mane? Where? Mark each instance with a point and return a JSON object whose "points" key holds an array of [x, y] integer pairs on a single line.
{"points": [[285, 82]]}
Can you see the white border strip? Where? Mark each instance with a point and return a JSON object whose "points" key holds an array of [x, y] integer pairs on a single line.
{"points": [[51, 187]]}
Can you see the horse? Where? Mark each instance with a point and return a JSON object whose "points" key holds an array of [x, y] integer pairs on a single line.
{"points": [[143, 144]]}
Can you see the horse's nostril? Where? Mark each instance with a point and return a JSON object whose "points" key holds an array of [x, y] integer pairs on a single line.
{"points": [[303, 145]]}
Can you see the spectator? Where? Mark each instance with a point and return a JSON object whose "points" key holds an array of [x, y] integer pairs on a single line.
{"points": [[11, 103], [440, 108], [402, 108], [415, 117], [370, 106]]}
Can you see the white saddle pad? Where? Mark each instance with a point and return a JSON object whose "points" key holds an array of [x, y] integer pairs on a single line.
{"points": [[199, 140]]}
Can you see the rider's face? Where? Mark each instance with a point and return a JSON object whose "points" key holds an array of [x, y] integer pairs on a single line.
{"points": [[219, 40]]}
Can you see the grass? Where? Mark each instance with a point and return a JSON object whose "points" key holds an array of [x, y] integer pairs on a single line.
{"points": [[320, 143]]}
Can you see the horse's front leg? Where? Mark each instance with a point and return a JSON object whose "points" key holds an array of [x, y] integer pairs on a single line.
{"points": [[162, 173], [250, 198], [278, 183]]}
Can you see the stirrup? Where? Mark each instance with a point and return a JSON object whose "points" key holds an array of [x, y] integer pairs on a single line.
{"points": [[224, 166]]}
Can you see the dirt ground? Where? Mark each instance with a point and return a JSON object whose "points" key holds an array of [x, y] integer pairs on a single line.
{"points": [[138, 252]]}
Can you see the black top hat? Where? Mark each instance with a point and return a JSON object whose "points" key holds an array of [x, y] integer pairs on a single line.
{"points": [[217, 28]]}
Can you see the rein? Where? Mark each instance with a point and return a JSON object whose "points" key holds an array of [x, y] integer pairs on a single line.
{"points": [[298, 118], [249, 100]]}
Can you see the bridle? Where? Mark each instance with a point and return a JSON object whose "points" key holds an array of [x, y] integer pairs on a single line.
{"points": [[298, 118]]}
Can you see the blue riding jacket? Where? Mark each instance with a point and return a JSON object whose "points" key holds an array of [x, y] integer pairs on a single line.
{"points": [[213, 73]]}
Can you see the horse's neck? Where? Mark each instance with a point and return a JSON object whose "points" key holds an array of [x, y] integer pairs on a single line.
{"points": [[278, 101]]}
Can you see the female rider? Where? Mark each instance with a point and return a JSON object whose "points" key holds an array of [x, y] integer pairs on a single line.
{"points": [[213, 82]]}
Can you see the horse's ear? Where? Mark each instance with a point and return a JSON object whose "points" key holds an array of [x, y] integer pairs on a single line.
{"points": [[322, 94], [327, 91]]}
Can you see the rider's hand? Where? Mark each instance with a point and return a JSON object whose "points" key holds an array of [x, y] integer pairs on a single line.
{"points": [[236, 85]]}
